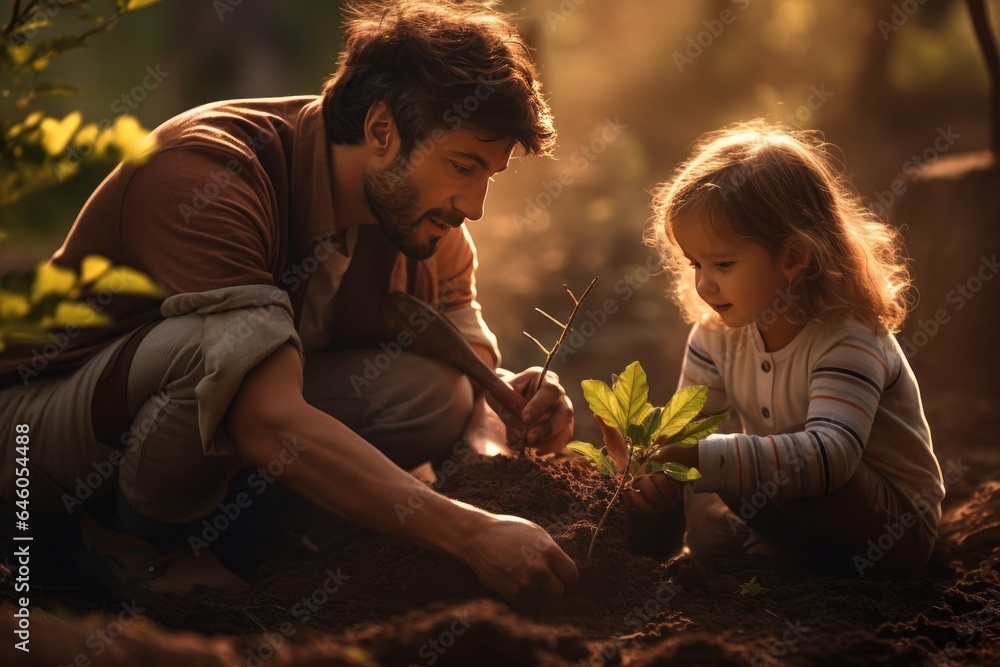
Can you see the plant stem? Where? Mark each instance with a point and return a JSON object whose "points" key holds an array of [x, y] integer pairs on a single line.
{"points": [[569, 324], [621, 485]]}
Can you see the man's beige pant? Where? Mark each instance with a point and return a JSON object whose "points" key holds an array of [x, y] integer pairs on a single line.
{"points": [[410, 407]]}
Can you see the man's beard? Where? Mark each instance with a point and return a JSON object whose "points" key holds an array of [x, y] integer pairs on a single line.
{"points": [[393, 198]]}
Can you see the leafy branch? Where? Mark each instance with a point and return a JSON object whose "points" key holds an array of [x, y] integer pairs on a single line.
{"points": [[645, 431], [52, 297], [38, 151]]}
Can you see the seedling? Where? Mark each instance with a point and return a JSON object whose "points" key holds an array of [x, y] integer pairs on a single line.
{"points": [[751, 588], [645, 431]]}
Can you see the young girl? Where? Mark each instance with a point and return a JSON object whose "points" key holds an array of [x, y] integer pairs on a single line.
{"points": [[795, 289]]}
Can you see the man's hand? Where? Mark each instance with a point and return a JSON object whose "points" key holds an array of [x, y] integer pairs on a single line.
{"points": [[547, 420], [339, 471], [515, 558]]}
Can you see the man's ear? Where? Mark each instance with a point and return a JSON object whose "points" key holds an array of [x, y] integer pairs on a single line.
{"points": [[797, 257], [381, 135]]}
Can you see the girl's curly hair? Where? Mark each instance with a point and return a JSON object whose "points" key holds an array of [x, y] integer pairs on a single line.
{"points": [[772, 185]]}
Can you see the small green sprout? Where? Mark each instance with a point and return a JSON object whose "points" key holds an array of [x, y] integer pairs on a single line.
{"points": [[751, 588], [645, 430]]}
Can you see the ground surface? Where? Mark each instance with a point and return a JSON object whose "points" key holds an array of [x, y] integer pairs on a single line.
{"points": [[365, 599]]}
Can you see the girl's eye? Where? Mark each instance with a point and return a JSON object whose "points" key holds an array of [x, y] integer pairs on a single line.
{"points": [[723, 265], [461, 168]]}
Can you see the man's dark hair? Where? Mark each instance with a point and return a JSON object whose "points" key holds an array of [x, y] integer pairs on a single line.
{"points": [[436, 64]]}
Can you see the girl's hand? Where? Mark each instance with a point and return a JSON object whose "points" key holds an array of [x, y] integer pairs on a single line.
{"points": [[654, 493]]}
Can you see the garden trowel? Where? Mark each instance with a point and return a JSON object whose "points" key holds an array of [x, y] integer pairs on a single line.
{"points": [[433, 335]]}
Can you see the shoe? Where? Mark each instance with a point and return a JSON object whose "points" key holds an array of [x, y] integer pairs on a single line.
{"points": [[132, 568]]}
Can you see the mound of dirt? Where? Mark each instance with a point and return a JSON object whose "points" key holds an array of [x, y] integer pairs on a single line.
{"points": [[364, 599]]}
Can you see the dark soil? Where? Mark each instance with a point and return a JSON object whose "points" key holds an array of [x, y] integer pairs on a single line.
{"points": [[395, 604]]}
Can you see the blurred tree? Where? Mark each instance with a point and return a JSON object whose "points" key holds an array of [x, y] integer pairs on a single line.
{"points": [[39, 151]]}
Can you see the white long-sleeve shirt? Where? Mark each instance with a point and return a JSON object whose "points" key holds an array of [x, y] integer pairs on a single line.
{"points": [[811, 411]]}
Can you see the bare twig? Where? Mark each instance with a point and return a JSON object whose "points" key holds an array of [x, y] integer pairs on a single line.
{"points": [[536, 342], [565, 329], [539, 310], [13, 18]]}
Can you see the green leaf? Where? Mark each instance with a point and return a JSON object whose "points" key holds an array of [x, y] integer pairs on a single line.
{"points": [[603, 403], [126, 280], [642, 435], [51, 279], [751, 588], [682, 408], [631, 390], [697, 430], [596, 456], [681, 472]]}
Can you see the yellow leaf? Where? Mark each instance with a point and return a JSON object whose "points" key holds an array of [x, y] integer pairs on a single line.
{"points": [[139, 4], [52, 279], [126, 280], [92, 267], [87, 136], [132, 139], [13, 305], [57, 133], [19, 54], [75, 313]]}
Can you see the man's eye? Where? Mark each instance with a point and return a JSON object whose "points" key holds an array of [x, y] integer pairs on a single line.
{"points": [[461, 168]]}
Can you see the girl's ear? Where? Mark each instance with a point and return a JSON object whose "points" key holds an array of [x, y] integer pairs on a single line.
{"points": [[381, 136], [797, 257]]}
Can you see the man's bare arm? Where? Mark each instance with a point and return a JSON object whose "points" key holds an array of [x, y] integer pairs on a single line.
{"points": [[343, 473]]}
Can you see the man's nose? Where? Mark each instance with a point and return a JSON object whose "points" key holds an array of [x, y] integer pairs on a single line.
{"points": [[471, 202]]}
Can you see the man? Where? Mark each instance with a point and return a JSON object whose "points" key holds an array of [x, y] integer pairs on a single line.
{"points": [[276, 227]]}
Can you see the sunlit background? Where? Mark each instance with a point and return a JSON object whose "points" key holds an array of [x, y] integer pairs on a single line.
{"points": [[632, 84]]}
